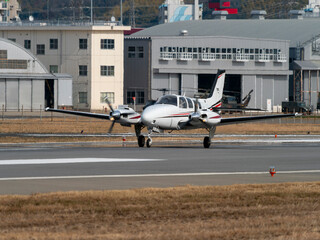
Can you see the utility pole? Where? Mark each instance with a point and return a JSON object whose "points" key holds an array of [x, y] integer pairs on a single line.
{"points": [[133, 17], [91, 12], [121, 20], [48, 10]]}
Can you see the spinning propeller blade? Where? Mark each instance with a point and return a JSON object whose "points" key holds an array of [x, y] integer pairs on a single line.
{"points": [[111, 127]]}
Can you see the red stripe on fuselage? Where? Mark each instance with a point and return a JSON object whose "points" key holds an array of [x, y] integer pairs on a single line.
{"points": [[136, 117]]}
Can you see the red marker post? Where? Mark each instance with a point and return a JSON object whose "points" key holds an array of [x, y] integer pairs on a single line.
{"points": [[272, 171], [134, 103], [124, 141]]}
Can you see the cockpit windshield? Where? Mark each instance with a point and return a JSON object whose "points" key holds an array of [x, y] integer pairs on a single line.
{"points": [[168, 99]]}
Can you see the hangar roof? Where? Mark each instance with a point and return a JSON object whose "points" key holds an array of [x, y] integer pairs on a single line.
{"points": [[297, 31]]}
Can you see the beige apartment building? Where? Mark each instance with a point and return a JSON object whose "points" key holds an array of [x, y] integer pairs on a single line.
{"points": [[91, 54], [9, 10]]}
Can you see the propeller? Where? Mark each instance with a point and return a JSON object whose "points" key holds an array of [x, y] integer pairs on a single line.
{"points": [[114, 114]]}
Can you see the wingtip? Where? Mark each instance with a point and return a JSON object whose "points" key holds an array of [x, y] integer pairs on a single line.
{"points": [[47, 108]]}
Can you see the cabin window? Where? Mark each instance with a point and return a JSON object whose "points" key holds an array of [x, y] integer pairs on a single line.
{"points": [[168, 99], [182, 102], [190, 103]]}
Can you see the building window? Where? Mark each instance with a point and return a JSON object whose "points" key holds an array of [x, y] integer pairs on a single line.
{"points": [[54, 43], [107, 43], [3, 54], [83, 43], [83, 70], [40, 49], [12, 39], [107, 70], [27, 44], [135, 52], [54, 68], [139, 95], [83, 98], [131, 52], [104, 95]]}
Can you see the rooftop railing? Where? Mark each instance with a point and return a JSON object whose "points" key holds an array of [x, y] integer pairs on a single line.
{"points": [[60, 23]]}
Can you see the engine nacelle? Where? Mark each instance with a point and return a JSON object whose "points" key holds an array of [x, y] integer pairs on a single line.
{"points": [[194, 116], [212, 118], [116, 114]]}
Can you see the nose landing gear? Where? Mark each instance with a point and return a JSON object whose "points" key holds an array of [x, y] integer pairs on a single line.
{"points": [[142, 140], [207, 140]]}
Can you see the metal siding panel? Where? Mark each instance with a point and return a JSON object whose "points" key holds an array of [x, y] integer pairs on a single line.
{"points": [[64, 92], [259, 92], [281, 93], [249, 83], [25, 94], [267, 90], [12, 94], [2, 92], [37, 94], [159, 81], [188, 84]]}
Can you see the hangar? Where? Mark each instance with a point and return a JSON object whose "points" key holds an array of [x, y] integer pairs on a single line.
{"points": [[257, 54], [25, 84]]}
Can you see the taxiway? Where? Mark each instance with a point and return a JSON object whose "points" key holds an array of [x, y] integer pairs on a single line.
{"points": [[37, 168]]}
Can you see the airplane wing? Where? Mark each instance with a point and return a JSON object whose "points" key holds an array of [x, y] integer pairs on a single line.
{"points": [[237, 109], [226, 121], [85, 114]]}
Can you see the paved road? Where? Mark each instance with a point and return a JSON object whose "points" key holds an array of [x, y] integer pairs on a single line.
{"points": [[92, 167]]}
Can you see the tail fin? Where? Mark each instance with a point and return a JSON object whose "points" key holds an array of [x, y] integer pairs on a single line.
{"points": [[214, 99]]}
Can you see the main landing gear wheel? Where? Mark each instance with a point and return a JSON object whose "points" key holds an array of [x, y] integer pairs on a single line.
{"points": [[206, 142], [141, 141], [149, 142]]}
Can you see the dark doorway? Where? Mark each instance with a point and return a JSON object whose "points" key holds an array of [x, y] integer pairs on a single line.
{"points": [[232, 85], [49, 93]]}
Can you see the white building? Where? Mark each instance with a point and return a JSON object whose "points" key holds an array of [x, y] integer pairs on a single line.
{"points": [[91, 54], [176, 10], [9, 10]]}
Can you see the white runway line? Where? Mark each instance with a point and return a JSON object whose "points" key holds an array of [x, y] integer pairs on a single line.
{"points": [[156, 175], [74, 160]]}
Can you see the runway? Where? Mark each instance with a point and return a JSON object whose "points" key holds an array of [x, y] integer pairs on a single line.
{"points": [[38, 168]]}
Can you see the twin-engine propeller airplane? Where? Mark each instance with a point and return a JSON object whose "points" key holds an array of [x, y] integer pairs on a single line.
{"points": [[175, 112]]}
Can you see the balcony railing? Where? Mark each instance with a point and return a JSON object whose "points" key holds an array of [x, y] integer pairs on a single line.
{"points": [[241, 57], [263, 57], [207, 57], [167, 55], [185, 56], [281, 57]]}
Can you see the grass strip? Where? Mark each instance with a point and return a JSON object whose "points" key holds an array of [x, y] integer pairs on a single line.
{"points": [[271, 211]]}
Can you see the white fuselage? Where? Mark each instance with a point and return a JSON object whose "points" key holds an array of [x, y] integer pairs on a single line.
{"points": [[168, 117]]}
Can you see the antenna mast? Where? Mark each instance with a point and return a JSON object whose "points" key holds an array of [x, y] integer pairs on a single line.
{"points": [[133, 17]]}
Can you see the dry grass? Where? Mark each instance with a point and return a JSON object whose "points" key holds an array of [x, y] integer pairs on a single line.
{"points": [[274, 211], [76, 125]]}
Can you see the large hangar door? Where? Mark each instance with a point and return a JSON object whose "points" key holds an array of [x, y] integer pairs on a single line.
{"points": [[12, 94], [232, 85]]}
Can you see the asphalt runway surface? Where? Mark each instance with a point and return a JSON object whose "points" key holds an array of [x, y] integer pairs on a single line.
{"points": [[39, 168]]}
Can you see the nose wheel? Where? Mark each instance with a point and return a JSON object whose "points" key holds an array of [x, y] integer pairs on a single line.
{"points": [[149, 142]]}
